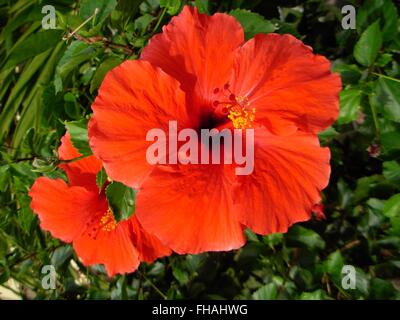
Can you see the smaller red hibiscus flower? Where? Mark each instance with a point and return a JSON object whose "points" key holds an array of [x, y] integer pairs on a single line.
{"points": [[79, 213]]}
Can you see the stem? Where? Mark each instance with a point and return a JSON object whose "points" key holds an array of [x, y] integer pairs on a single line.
{"points": [[107, 43], [159, 20], [375, 117], [81, 25], [155, 287], [385, 77]]}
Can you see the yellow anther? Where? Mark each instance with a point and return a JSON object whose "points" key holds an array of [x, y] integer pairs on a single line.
{"points": [[108, 222], [241, 116]]}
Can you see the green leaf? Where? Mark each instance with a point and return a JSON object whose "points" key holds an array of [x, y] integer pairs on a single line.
{"points": [[121, 200], [392, 206], [365, 185], [273, 239], [202, 5], [362, 282], [384, 59], [101, 179], [388, 95], [349, 105], [32, 13], [88, 7], [314, 295], [128, 9], [71, 105], [391, 171], [79, 136], [17, 94], [4, 177], [30, 113], [61, 255], [395, 226], [76, 53], [143, 22], [385, 10], [391, 141], [250, 235], [180, 274], [101, 71], [267, 292], [381, 289], [5, 272], [334, 263], [367, 48], [25, 214], [32, 46], [302, 277], [252, 23], [173, 6], [350, 73], [327, 135], [195, 261], [309, 238]]}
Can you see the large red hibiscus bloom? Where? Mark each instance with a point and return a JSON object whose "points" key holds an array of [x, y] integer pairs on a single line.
{"points": [[274, 84], [79, 213]]}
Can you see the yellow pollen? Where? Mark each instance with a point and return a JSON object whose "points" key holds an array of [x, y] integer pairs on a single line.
{"points": [[108, 222], [240, 114]]}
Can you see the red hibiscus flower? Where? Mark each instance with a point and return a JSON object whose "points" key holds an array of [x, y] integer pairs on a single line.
{"points": [[79, 213], [274, 84]]}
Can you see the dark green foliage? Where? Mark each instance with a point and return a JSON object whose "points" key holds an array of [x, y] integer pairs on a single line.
{"points": [[47, 84]]}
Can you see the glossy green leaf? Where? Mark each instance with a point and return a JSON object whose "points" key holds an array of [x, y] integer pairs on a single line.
{"points": [[349, 105], [79, 136], [202, 6], [306, 237], [121, 199], [388, 95], [101, 71], [391, 171], [334, 263], [385, 10], [101, 179], [76, 53], [314, 295], [252, 23], [392, 206], [267, 292], [366, 49], [104, 8], [391, 141]]}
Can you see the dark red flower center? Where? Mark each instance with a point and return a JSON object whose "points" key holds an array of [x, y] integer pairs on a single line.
{"points": [[106, 223], [230, 107]]}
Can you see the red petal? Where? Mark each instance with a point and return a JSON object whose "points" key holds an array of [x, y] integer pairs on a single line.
{"points": [[197, 50], [64, 210], [113, 248], [289, 86], [289, 173], [148, 246], [67, 151], [133, 98], [83, 172], [80, 172], [190, 209]]}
